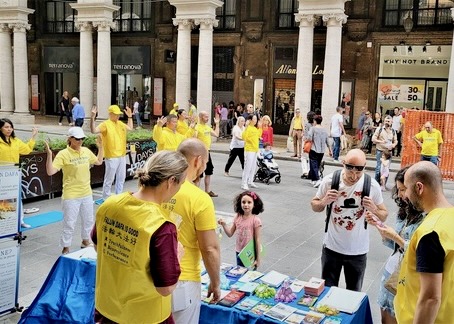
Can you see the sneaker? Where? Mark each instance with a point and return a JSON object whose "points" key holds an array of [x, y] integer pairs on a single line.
{"points": [[25, 225], [253, 185], [226, 174], [59, 124], [312, 182], [317, 184], [212, 194], [244, 187]]}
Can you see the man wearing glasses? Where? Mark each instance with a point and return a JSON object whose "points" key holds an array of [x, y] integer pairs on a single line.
{"points": [[429, 140], [385, 139], [346, 241]]}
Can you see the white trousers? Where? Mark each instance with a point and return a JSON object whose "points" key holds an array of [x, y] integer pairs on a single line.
{"points": [[71, 209], [250, 165], [115, 169], [191, 314]]}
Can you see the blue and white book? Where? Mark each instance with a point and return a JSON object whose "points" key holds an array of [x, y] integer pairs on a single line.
{"points": [[248, 302], [251, 275], [249, 287]]}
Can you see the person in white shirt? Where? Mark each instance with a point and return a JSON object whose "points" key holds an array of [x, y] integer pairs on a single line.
{"points": [[336, 130], [136, 112], [397, 126], [236, 145], [346, 241]]}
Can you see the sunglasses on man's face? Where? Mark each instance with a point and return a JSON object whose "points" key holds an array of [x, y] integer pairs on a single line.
{"points": [[351, 167]]}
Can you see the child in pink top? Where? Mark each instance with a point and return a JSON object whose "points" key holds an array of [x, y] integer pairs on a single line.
{"points": [[246, 223]]}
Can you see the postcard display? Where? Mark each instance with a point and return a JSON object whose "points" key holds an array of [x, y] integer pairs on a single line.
{"points": [[10, 209]]}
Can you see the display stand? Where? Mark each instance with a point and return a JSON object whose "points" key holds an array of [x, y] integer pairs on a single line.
{"points": [[10, 237]]}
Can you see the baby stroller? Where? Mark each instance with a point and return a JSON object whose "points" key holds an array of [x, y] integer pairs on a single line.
{"points": [[267, 169]]}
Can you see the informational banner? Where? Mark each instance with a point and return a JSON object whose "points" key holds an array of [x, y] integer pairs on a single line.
{"points": [[158, 96], [412, 94], [10, 176], [9, 270]]}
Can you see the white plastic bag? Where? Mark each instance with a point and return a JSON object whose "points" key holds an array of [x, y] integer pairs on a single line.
{"points": [[304, 165], [289, 144]]}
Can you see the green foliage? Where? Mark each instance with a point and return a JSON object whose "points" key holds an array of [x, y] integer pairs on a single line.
{"points": [[60, 143]]}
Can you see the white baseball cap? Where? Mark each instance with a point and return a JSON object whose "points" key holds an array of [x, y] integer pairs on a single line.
{"points": [[76, 132]]}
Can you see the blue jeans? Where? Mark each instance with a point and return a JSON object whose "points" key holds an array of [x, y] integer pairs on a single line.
{"points": [[433, 159], [336, 147]]}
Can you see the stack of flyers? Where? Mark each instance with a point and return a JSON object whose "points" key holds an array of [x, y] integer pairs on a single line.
{"points": [[236, 272], [261, 308], [251, 275], [280, 311], [248, 302], [307, 300], [297, 285], [314, 286], [296, 318], [249, 287]]}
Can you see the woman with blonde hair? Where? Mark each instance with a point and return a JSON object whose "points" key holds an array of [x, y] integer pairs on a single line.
{"points": [[267, 130], [236, 145], [138, 243]]}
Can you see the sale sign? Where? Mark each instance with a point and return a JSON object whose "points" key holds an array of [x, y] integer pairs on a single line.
{"points": [[402, 93]]}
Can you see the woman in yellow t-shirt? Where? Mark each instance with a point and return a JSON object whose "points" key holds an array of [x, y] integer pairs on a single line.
{"points": [[251, 137], [11, 147], [77, 199]]}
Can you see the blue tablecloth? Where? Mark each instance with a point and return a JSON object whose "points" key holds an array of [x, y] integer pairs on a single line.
{"points": [[214, 314], [68, 296]]}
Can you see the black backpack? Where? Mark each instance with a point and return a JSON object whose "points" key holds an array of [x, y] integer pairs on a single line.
{"points": [[335, 185]]}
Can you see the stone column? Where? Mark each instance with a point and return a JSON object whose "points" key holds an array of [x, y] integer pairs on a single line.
{"points": [[183, 73], [450, 90], [205, 69], [303, 89], [104, 77], [86, 67], [21, 93], [6, 71], [331, 76]]}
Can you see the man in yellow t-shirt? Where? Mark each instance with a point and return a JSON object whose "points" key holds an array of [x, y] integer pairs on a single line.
{"points": [[296, 132], [167, 137], [192, 111], [113, 133], [429, 140], [203, 132], [424, 288], [174, 109], [192, 210], [77, 199]]}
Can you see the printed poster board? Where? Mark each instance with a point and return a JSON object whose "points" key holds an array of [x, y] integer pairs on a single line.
{"points": [[10, 200], [9, 274]]}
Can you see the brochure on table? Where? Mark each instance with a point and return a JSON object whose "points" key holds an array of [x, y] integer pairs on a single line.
{"points": [[246, 300]]}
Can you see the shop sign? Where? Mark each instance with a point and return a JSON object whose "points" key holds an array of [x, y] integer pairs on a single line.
{"points": [[416, 61], [290, 70], [406, 93], [61, 59], [131, 60]]}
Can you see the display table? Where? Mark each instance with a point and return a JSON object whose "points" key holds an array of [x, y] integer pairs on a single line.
{"points": [[215, 314], [67, 296]]}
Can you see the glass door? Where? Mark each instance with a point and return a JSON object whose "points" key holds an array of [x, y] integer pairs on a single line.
{"points": [[436, 95]]}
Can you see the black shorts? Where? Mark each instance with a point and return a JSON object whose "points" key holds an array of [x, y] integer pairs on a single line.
{"points": [[209, 169]]}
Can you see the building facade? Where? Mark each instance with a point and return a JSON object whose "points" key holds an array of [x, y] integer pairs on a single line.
{"points": [[276, 54]]}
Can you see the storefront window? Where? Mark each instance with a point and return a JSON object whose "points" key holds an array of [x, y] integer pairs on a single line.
{"points": [[286, 13], [423, 13], [226, 15], [413, 77]]}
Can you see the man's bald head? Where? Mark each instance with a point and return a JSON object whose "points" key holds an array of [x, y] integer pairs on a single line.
{"points": [[192, 147], [355, 157], [427, 173]]}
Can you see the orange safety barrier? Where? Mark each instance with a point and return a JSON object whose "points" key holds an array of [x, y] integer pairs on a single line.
{"points": [[414, 123]]}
